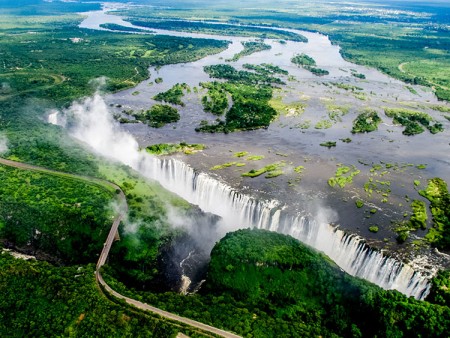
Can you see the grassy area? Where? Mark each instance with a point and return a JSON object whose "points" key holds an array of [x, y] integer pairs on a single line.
{"points": [[287, 109]]}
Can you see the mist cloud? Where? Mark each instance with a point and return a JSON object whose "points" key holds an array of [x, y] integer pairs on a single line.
{"points": [[94, 125], [3, 144]]}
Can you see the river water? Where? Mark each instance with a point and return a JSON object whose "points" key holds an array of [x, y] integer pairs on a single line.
{"points": [[285, 141]]}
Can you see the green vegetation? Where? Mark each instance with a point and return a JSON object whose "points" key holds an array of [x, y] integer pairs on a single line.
{"points": [[170, 148], [442, 109], [308, 63], [223, 166], [255, 157], [274, 271], [417, 220], [440, 288], [216, 101], [270, 285], [159, 80], [116, 27], [374, 229], [288, 109], [303, 60], [265, 69], [419, 215], [250, 47], [413, 121], [324, 124], [299, 169], [31, 205], [35, 68], [335, 112], [328, 144], [173, 95], [240, 154], [359, 203], [343, 176], [366, 122], [228, 72], [437, 193], [250, 92], [358, 75], [217, 29], [412, 90], [159, 115], [272, 170], [347, 87], [41, 300]]}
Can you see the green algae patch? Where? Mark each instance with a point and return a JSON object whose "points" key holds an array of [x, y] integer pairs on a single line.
{"points": [[240, 154], [255, 157], [343, 176], [273, 170], [374, 229], [223, 166]]}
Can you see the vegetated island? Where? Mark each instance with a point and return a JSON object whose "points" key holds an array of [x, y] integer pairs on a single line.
{"points": [[250, 91], [250, 47], [308, 63], [218, 29]]}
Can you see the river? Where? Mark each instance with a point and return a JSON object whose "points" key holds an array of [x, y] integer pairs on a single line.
{"points": [[308, 193]]}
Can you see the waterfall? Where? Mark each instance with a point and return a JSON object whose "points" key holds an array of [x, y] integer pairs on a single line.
{"points": [[350, 252], [53, 117], [93, 124]]}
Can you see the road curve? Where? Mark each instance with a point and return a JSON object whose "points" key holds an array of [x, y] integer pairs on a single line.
{"points": [[123, 209]]}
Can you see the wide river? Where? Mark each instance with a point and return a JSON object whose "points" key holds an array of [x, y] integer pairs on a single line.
{"points": [[293, 138]]}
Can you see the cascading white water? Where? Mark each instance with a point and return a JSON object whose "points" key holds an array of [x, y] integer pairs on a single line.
{"points": [[94, 125], [239, 211], [53, 117]]}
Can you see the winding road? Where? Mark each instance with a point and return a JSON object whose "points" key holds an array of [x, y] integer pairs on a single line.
{"points": [[123, 209]]}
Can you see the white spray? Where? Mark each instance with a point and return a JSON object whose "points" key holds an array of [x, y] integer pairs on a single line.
{"points": [[3, 144]]}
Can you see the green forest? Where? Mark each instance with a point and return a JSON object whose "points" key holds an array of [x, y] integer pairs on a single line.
{"points": [[265, 284]]}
